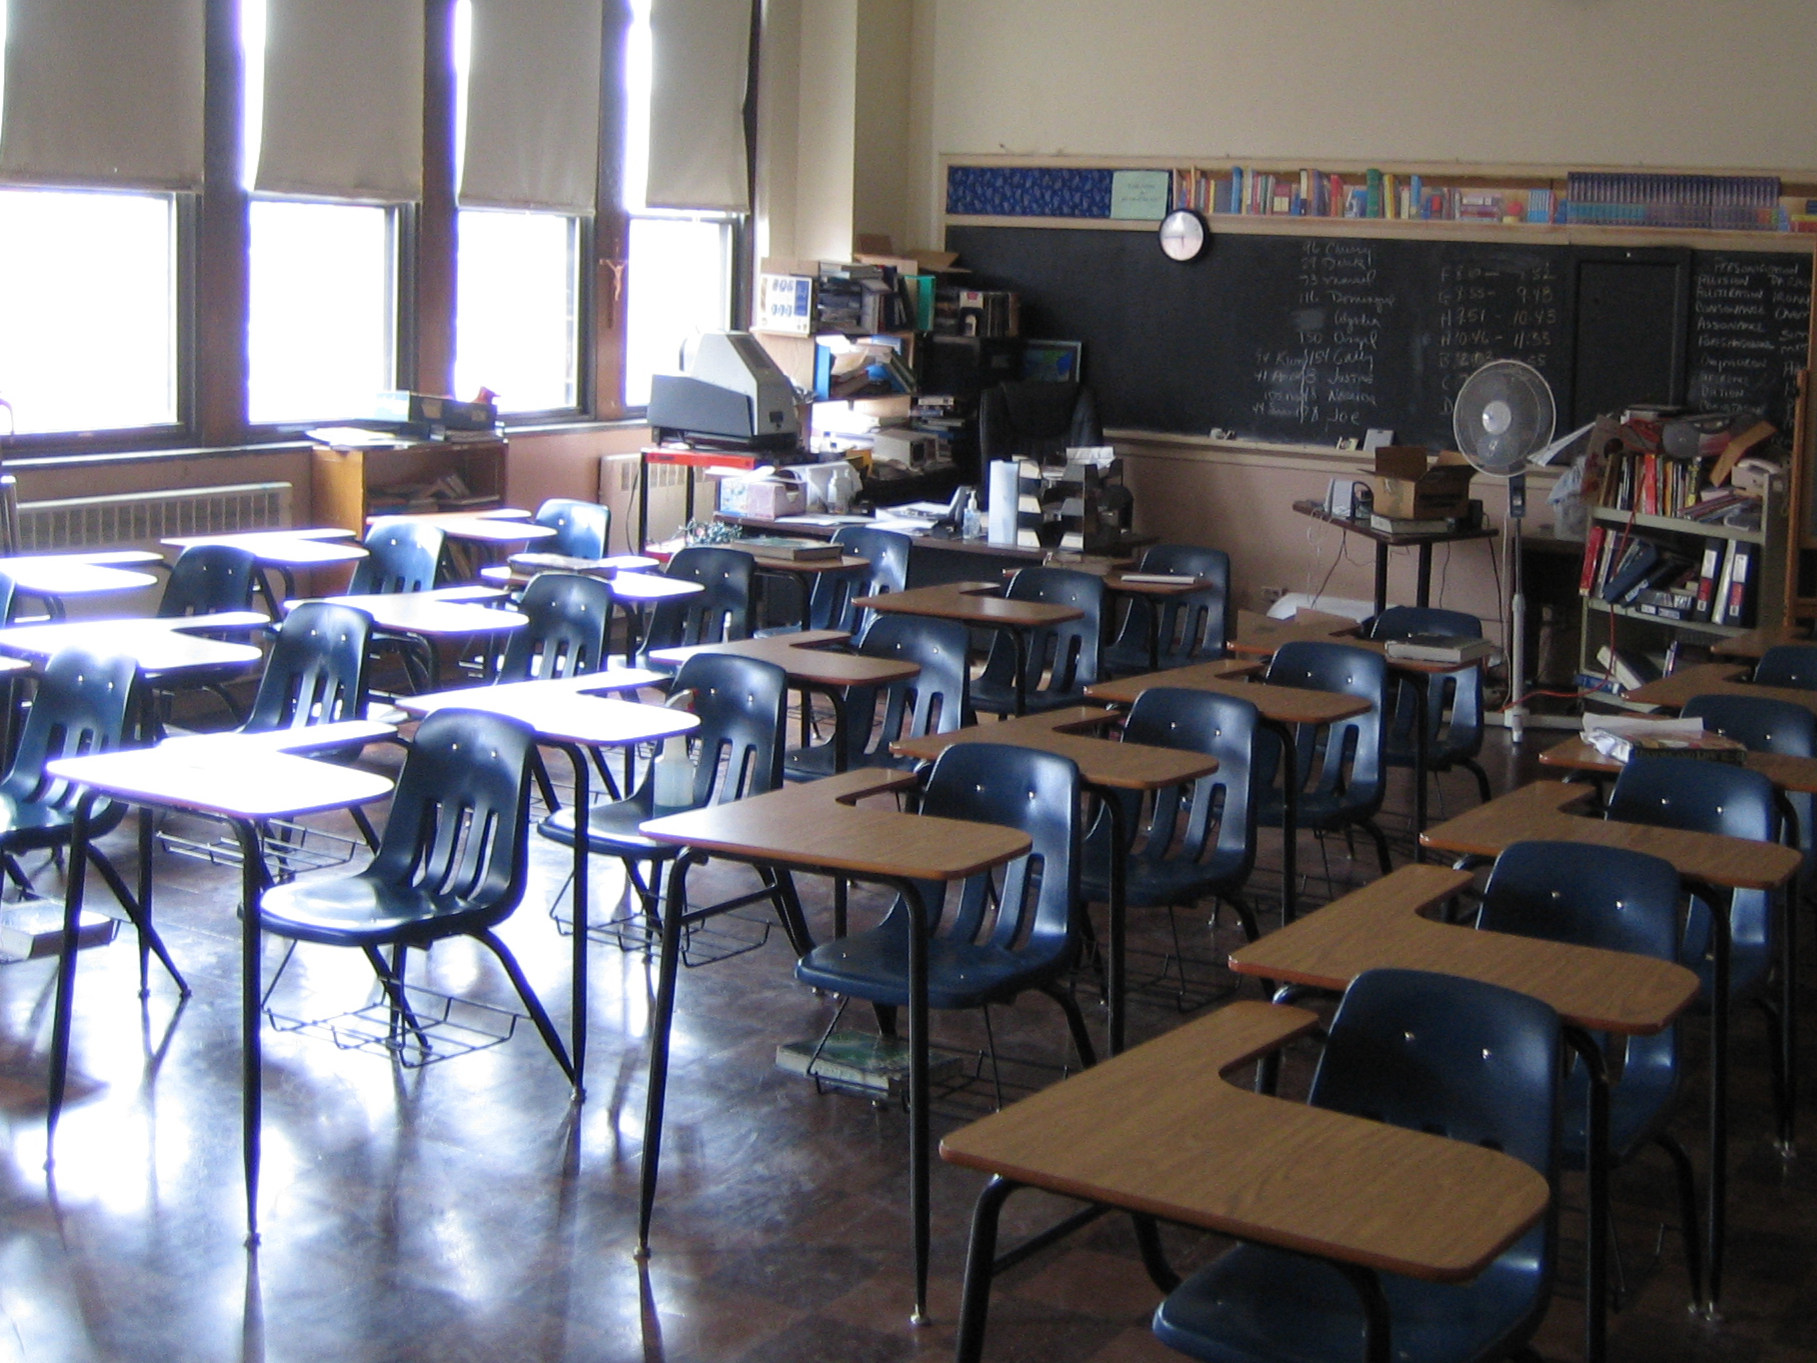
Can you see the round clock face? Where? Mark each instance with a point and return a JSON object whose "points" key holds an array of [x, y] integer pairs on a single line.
{"points": [[1183, 234]]}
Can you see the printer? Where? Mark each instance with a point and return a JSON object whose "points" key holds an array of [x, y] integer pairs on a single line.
{"points": [[733, 396]]}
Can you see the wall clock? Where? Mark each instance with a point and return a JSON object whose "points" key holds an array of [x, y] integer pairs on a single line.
{"points": [[1184, 235]]}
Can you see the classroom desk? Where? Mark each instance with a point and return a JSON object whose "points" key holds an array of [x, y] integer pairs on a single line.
{"points": [[1592, 990], [640, 591], [1105, 767], [817, 827], [802, 572], [520, 574], [1796, 774], [468, 535], [1283, 709], [246, 780], [52, 577], [1755, 643], [982, 605], [1715, 679], [1710, 861], [812, 665], [1154, 595], [444, 613], [164, 648], [285, 550], [572, 714], [1158, 1131], [1384, 541]]}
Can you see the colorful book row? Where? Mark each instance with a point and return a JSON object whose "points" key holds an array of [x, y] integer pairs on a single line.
{"points": [[1735, 203], [1376, 194]]}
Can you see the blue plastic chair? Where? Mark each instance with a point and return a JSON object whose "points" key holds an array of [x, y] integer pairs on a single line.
{"points": [[569, 617], [452, 863], [719, 612], [1770, 726], [316, 670], [1200, 839], [738, 752], [830, 602], [1068, 653], [401, 556], [1715, 797], [1341, 777], [1454, 700], [934, 701], [1617, 900], [582, 529], [1788, 665], [1449, 1056], [999, 939], [1194, 628], [208, 578]]}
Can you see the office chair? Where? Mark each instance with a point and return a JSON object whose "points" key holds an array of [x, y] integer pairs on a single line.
{"points": [[1030, 419], [1617, 900], [1453, 1057]]}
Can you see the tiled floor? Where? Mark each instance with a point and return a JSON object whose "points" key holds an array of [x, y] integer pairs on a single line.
{"points": [[469, 1212]]}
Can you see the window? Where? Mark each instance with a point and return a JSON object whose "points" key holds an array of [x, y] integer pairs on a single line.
{"points": [[321, 302], [517, 318], [88, 290]]}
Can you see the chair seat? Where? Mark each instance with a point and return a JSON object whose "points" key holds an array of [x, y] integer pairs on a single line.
{"points": [[1259, 1305], [874, 965], [612, 829], [362, 910], [28, 824], [1155, 884]]}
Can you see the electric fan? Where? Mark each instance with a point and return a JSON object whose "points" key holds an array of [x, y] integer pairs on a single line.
{"points": [[1502, 417]]}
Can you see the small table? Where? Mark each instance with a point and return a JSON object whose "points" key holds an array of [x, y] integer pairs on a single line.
{"points": [[1715, 679], [510, 575], [570, 713], [1719, 864], [1592, 990], [447, 613], [1282, 708], [815, 827], [217, 777], [1159, 1132], [812, 665], [640, 591], [1153, 590], [285, 550], [465, 532], [981, 604], [1385, 540], [1105, 767], [1788, 773]]}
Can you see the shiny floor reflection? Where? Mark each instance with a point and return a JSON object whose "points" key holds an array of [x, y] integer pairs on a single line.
{"points": [[469, 1211]]}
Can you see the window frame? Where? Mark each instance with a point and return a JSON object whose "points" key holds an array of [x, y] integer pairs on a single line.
{"points": [[737, 289]]}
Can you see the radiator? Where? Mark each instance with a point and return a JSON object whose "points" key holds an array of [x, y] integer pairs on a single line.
{"points": [[139, 520]]}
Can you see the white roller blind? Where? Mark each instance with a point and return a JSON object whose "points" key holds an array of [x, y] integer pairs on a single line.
{"points": [[103, 92], [700, 59], [343, 100], [533, 105]]}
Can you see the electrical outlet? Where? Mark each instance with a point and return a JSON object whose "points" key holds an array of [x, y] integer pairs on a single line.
{"points": [[1270, 595]]}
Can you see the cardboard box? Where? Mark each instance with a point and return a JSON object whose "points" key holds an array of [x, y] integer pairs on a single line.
{"points": [[769, 498], [1410, 485]]}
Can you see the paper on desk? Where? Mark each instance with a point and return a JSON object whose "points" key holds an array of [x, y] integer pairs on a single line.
{"points": [[1613, 735]]}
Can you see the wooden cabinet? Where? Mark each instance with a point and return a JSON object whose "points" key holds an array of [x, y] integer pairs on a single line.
{"points": [[351, 485]]}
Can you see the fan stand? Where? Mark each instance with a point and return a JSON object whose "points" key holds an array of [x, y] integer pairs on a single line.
{"points": [[1515, 711]]}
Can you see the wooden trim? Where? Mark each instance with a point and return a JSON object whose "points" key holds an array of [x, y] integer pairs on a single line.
{"points": [[430, 323], [1444, 170], [611, 247], [223, 241]]}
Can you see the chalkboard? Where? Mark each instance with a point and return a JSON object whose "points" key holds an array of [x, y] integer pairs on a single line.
{"points": [[1313, 339], [1751, 319]]}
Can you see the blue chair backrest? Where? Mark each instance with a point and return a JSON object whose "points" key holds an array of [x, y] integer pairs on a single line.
{"points": [[741, 705], [207, 578], [582, 529], [1033, 910], [722, 611], [830, 605], [1070, 650], [570, 617], [1454, 1057], [80, 707], [1762, 723], [1194, 627], [1458, 693], [934, 701], [316, 673], [1220, 808], [401, 556], [7, 589], [457, 825], [1350, 756], [1788, 665]]}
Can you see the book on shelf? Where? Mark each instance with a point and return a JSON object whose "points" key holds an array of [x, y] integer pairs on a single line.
{"points": [[1403, 525]]}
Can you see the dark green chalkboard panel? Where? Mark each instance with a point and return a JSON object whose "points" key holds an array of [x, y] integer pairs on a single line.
{"points": [[1750, 327], [1311, 339]]}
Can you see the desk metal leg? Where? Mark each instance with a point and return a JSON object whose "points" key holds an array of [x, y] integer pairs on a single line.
{"points": [[1717, 1215], [1422, 757], [1788, 1017], [1290, 818], [1381, 578], [1424, 589], [920, 1136], [1378, 1342], [252, 1038], [667, 967], [577, 756], [1118, 913], [980, 1263], [66, 973], [1020, 641], [1596, 1177], [1154, 631]]}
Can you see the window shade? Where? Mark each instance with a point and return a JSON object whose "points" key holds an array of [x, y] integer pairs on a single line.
{"points": [[104, 92], [533, 105], [701, 57], [343, 100]]}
